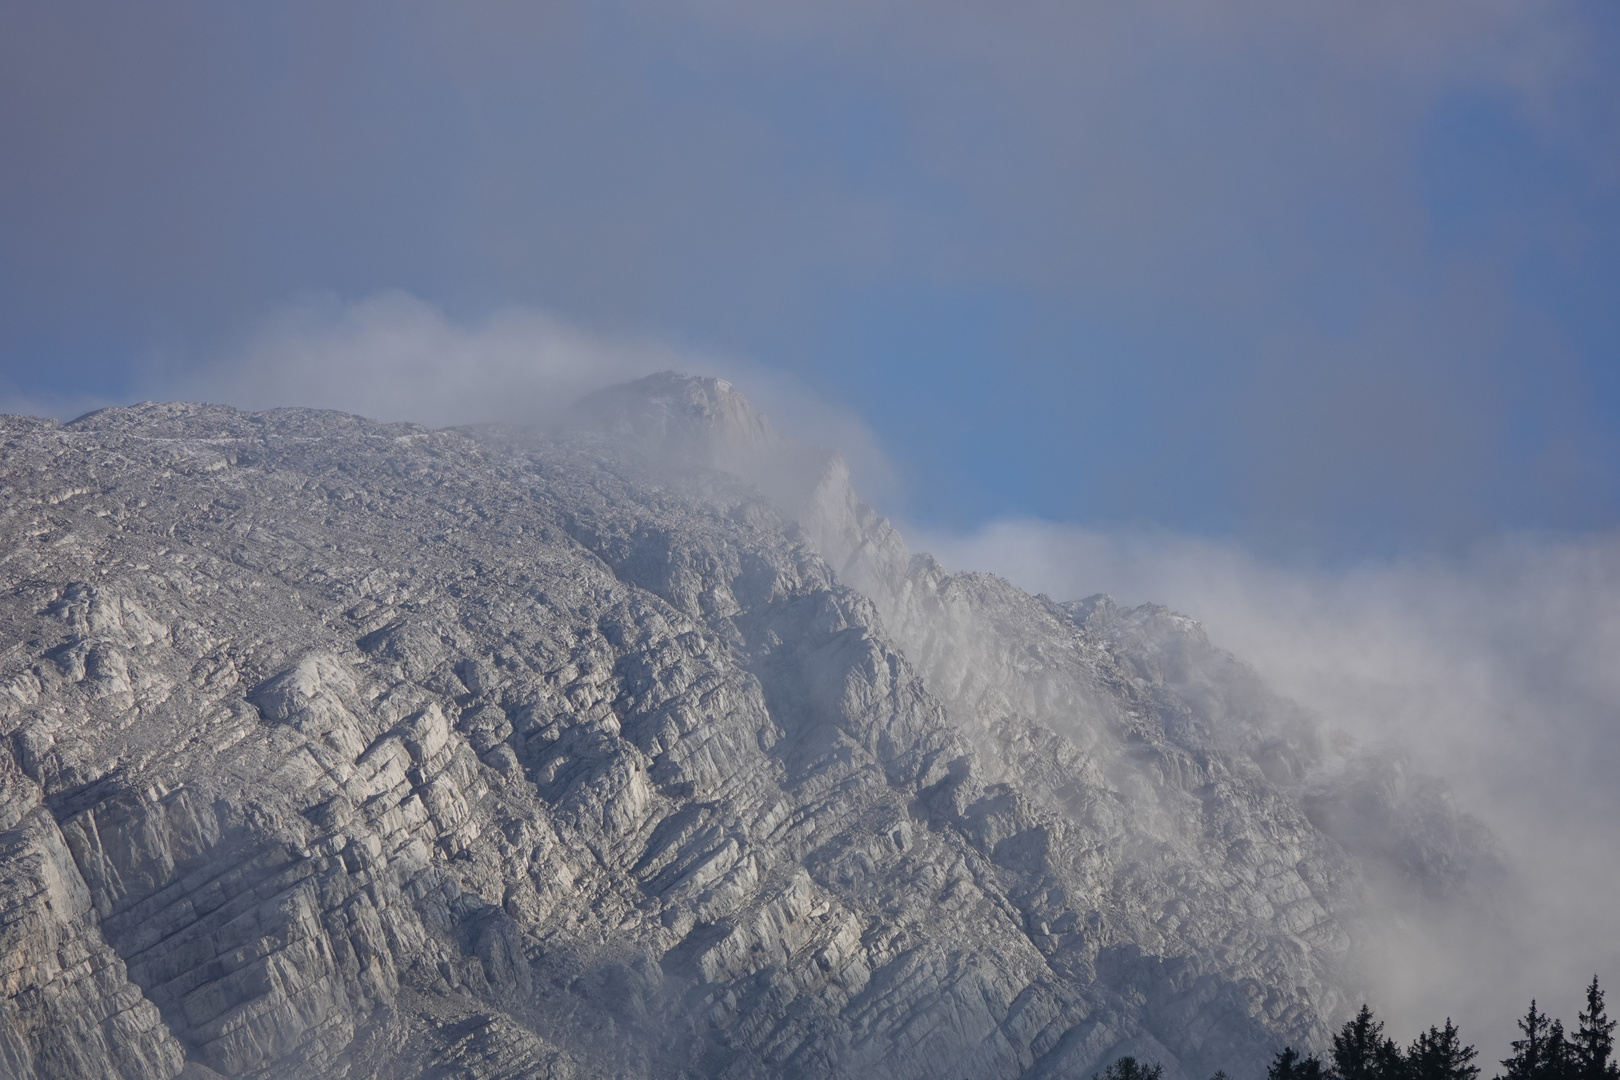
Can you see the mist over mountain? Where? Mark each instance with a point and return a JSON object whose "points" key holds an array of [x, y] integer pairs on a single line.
{"points": [[639, 745]]}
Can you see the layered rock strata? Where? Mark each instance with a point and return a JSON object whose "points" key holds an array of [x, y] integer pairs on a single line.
{"points": [[338, 748]]}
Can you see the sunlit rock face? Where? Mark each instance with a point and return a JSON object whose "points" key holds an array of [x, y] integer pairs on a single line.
{"points": [[337, 748]]}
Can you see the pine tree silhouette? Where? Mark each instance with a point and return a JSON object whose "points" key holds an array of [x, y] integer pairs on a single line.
{"points": [[1543, 1053], [1560, 1054], [1594, 1040], [1128, 1068], [1439, 1054], [1289, 1065], [1392, 1065], [1361, 1052]]}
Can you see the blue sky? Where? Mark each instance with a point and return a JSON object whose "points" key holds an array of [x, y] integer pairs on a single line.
{"points": [[1328, 279]]}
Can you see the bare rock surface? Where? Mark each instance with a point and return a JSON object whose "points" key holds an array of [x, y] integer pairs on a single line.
{"points": [[345, 749]]}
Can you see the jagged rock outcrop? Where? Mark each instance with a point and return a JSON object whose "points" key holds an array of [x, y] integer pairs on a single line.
{"points": [[337, 748]]}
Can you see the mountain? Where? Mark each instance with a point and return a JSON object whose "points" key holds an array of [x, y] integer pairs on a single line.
{"points": [[639, 747]]}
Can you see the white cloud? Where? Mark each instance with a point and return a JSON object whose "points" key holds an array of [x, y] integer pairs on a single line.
{"points": [[395, 356]]}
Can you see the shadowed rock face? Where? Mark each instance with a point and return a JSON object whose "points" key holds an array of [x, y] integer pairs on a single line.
{"points": [[336, 748]]}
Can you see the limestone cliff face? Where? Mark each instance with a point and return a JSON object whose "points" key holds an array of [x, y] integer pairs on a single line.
{"points": [[336, 748]]}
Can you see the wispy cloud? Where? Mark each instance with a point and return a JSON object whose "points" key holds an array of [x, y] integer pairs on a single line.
{"points": [[395, 356], [1495, 670]]}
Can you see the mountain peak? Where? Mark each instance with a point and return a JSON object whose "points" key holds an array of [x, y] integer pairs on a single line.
{"points": [[694, 419]]}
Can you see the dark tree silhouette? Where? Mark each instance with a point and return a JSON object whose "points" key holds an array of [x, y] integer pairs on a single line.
{"points": [[1128, 1068], [1594, 1040], [1543, 1053], [1361, 1052], [1439, 1054], [1560, 1054], [1289, 1065]]}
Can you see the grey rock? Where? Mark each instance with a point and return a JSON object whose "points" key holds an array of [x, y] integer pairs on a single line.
{"points": [[338, 748]]}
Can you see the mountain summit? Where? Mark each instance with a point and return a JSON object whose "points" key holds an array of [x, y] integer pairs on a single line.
{"points": [[641, 748], [683, 419]]}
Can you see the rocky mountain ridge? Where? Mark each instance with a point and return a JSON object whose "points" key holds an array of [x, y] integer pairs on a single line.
{"points": [[642, 748]]}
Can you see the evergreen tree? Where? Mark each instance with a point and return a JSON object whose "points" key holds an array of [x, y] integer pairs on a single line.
{"points": [[1594, 1040], [1390, 1062], [1543, 1053], [1128, 1068], [1560, 1054], [1362, 1052], [1439, 1054], [1289, 1065]]}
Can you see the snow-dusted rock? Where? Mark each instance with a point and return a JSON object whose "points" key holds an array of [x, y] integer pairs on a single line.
{"points": [[337, 748]]}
